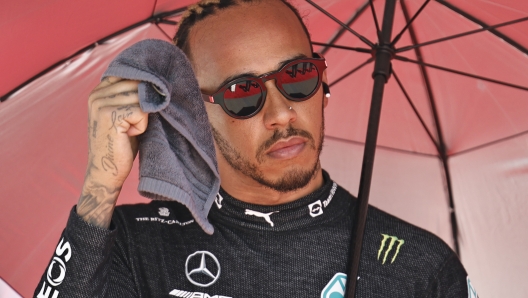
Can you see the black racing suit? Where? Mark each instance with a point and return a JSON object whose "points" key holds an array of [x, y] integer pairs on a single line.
{"points": [[298, 249]]}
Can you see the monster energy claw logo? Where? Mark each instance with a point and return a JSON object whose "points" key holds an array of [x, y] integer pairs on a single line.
{"points": [[393, 239]]}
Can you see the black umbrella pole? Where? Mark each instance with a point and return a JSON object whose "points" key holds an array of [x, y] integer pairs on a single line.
{"points": [[382, 68]]}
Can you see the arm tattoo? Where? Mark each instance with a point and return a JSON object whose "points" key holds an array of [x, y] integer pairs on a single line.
{"points": [[107, 161], [94, 129], [96, 204]]}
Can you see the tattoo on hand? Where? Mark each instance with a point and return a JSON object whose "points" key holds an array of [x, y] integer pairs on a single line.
{"points": [[107, 161], [119, 117]]}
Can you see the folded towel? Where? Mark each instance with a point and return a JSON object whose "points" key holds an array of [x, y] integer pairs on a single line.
{"points": [[177, 159]]}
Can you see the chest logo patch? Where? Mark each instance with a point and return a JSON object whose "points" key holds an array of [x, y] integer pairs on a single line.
{"points": [[335, 288], [385, 248], [164, 211], [202, 268], [186, 294]]}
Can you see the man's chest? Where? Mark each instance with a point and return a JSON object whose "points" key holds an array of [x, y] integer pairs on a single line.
{"points": [[240, 263]]}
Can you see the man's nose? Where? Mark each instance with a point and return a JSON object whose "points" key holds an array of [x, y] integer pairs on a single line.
{"points": [[278, 111]]}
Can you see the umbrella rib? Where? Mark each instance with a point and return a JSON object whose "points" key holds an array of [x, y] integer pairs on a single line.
{"points": [[351, 72], [490, 143], [343, 25], [152, 19], [397, 38], [378, 30], [483, 24], [380, 146], [342, 30], [361, 50], [163, 32], [405, 59], [416, 111], [441, 143], [487, 28]]}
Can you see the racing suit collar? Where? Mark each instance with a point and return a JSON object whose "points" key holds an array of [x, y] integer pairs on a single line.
{"points": [[315, 208]]}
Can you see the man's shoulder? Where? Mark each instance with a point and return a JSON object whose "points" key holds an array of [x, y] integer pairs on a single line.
{"points": [[389, 240], [410, 250], [380, 222]]}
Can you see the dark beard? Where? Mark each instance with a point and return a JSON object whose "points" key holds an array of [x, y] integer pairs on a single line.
{"points": [[291, 180]]}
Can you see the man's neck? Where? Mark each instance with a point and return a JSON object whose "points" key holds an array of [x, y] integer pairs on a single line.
{"points": [[250, 191]]}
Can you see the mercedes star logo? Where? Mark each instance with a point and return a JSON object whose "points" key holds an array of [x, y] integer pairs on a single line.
{"points": [[204, 273]]}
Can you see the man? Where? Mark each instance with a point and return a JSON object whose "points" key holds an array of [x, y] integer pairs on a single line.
{"points": [[282, 226]]}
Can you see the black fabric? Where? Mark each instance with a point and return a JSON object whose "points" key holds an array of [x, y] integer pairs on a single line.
{"points": [[299, 249]]}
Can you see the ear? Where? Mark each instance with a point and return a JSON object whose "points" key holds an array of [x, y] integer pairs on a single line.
{"points": [[325, 99]]}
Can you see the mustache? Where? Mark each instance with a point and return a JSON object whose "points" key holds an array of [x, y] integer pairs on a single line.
{"points": [[284, 134]]}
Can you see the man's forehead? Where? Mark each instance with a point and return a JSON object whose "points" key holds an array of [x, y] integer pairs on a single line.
{"points": [[258, 21], [246, 39]]}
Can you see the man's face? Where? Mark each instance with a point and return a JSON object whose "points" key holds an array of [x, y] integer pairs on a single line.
{"points": [[279, 147]]}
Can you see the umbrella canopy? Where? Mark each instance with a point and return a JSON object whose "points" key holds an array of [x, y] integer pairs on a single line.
{"points": [[453, 133]]}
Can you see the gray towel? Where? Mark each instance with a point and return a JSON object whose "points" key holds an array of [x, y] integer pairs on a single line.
{"points": [[177, 159]]}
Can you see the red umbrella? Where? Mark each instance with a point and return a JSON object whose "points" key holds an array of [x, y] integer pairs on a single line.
{"points": [[57, 49], [452, 137]]}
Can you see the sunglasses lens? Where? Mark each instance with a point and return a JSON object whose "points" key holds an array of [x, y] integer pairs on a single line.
{"points": [[243, 98], [300, 80]]}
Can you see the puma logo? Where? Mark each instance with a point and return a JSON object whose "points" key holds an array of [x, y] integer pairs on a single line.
{"points": [[266, 216]]}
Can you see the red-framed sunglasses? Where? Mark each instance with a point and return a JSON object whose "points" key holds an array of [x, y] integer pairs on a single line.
{"points": [[244, 97]]}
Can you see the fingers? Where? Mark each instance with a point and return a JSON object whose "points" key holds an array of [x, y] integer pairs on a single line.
{"points": [[116, 103], [138, 125], [106, 82], [118, 99], [113, 90], [112, 80], [129, 119]]}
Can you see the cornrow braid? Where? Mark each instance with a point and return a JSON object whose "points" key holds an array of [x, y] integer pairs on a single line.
{"points": [[205, 8]]}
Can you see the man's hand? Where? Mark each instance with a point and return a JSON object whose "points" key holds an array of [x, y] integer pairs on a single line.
{"points": [[114, 121]]}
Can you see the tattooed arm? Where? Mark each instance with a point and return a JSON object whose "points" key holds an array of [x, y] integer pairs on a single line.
{"points": [[86, 263], [96, 204], [114, 121]]}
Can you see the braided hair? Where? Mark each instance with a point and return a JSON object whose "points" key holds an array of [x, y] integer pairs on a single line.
{"points": [[205, 8]]}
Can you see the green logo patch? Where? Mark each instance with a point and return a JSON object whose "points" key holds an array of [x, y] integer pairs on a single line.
{"points": [[388, 248]]}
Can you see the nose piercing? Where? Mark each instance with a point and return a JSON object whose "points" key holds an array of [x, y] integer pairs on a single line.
{"points": [[291, 108]]}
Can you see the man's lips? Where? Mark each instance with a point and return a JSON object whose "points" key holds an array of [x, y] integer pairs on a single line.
{"points": [[287, 149]]}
